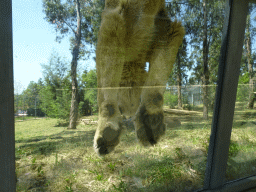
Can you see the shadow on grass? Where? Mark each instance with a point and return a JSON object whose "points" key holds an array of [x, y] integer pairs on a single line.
{"points": [[83, 138], [236, 170], [62, 124], [168, 174], [46, 145], [40, 138], [176, 123]]}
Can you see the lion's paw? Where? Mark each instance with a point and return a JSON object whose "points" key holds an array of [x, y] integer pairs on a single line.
{"points": [[107, 137], [149, 127]]}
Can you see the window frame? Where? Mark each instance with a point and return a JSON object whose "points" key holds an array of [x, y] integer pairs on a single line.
{"points": [[230, 59]]}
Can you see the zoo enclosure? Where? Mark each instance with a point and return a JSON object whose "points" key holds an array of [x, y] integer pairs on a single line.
{"points": [[231, 50]]}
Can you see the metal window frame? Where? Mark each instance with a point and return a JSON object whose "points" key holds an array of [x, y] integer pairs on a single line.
{"points": [[225, 98], [7, 141], [231, 51]]}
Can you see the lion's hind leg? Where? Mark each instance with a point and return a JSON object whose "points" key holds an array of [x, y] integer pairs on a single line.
{"points": [[149, 118]]}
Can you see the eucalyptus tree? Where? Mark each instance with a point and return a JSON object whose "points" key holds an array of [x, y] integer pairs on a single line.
{"points": [[204, 21], [250, 56], [181, 66], [82, 18], [55, 95], [175, 9], [89, 79]]}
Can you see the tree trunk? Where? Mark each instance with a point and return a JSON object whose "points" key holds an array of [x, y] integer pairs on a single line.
{"points": [[250, 66], [179, 80], [205, 65], [74, 100]]}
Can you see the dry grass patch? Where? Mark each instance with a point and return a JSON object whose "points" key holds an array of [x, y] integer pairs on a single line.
{"points": [[54, 158]]}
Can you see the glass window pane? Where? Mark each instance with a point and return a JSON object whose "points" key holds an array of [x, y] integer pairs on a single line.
{"points": [[242, 153]]}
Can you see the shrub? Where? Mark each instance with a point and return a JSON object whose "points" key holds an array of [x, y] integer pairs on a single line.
{"points": [[39, 112], [170, 99], [242, 93]]}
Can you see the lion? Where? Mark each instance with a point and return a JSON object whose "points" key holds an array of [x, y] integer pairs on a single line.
{"points": [[132, 33]]}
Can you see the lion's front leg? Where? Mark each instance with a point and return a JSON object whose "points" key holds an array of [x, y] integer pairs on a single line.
{"points": [[109, 128], [109, 124], [109, 62], [149, 118]]}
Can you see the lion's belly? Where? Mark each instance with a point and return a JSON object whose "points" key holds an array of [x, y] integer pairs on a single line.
{"points": [[129, 100], [132, 81]]}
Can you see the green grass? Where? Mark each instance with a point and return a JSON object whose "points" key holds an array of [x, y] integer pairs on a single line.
{"points": [[21, 118], [50, 157]]}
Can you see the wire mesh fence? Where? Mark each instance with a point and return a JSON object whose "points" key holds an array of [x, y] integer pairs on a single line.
{"points": [[191, 97]]}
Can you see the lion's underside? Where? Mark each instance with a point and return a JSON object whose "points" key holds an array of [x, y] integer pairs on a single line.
{"points": [[131, 34]]}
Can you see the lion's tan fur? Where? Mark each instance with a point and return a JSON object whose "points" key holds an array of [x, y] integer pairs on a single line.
{"points": [[132, 33]]}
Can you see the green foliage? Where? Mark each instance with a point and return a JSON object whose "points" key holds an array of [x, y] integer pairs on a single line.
{"points": [[69, 185], [99, 176], [91, 11], [205, 144], [185, 99], [62, 104], [19, 103], [47, 98], [193, 21], [89, 81], [163, 171], [170, 99], [244, 79], [35, 112], [185, 102], [242, 93], [33, 164], [56, 108], [82, 18], [121, 187], [64, 18], [29, 98], [56, 159], [233, 149], [182, 63], [40, 172], [111, 166], [55, 96], [211, 96], [187, 107], [81, 108]]}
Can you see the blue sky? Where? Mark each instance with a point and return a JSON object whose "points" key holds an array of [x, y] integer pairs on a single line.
{"points": [[34, 41]]}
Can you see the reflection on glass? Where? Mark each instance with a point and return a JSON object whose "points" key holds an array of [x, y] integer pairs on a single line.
{"points": [[242, 153], [176, 163]]}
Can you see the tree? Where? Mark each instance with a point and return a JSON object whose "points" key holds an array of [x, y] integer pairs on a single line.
{"points": [[178, 76], [17, 96], [67, 16], [204, 36], [205, 61], [249, 32], [183, 64], [89, 80], [29, 99], [30, 95], [55, 96]]}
